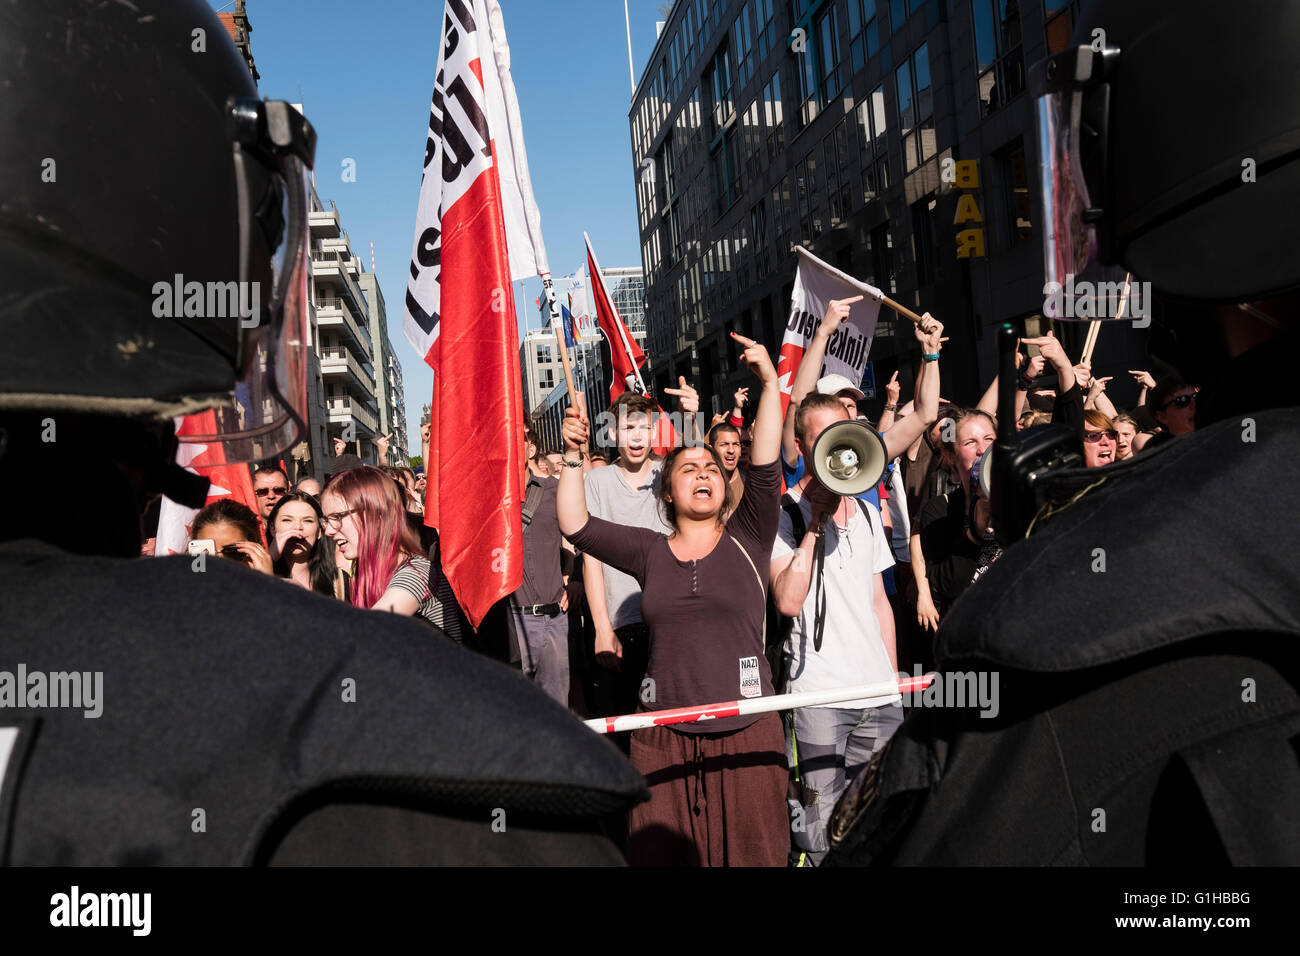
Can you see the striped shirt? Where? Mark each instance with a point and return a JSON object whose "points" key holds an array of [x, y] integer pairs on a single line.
{"points": [[418, 577]]}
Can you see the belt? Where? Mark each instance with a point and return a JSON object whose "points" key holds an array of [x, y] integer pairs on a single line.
{"points": [[541, 610]]}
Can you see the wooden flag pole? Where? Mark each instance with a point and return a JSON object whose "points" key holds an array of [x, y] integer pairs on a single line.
{"points": [[901, 309], [1094, 327], [548, 291]]}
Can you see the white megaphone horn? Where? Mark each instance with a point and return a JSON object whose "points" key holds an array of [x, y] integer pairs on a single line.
{"points": [[848, 458]]}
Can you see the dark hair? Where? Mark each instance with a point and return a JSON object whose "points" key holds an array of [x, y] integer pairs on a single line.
{"points": [[270, 470], [320, 564], [231, 512], [1159, 396], [811, 403], [666, 483], [719, 428]]}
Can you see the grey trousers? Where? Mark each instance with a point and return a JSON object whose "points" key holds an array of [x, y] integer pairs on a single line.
{"points": [[544, 651], [834, 745]]}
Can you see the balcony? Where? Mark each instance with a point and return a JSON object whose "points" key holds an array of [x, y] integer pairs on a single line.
{"points": [[324, 223], [339, 360], [332, 264], [346, 409], [333, 312]]}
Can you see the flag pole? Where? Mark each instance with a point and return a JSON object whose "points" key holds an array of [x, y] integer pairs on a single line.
{"points": [[557, 325], [1094, 327], [901, 309], [622, 330]]}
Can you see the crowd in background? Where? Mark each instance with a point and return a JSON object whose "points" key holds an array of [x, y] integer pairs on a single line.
{"points": [[722, 570]]}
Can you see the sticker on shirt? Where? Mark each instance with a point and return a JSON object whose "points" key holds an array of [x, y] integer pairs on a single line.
{"points": [[751, 683]]}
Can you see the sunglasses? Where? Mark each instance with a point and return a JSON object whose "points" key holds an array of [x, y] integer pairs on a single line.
{"points": [[336, 520], [1182, 401], [1095, 437], [263, 492]]}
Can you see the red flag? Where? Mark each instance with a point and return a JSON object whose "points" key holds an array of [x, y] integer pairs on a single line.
{"points": [[228, 481], [477, 229], [626, 356]]}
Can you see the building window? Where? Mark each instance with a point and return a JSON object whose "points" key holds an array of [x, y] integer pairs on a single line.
{"points": [[916, 109], [758, 223], [543, 354], [923, 241], [871, 139], [546, 379], [998, 57], [882, 260], [899, 11], [726, 172], [774, 116], [743, 34], [839, 184], [1061, 16], [818, 66], [717, 81], [1014, 175], [864, 36]]}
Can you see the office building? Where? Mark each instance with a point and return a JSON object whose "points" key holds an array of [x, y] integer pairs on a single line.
{"points": [[894, 139]]}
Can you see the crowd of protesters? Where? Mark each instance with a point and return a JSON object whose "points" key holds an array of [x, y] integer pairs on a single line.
{"points": [[724, 569]]}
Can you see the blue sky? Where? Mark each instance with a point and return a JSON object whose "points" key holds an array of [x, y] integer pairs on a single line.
{"points": [[364, 72]]}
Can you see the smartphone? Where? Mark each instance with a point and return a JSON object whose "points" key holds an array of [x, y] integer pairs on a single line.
{"points": [[203, 546]]}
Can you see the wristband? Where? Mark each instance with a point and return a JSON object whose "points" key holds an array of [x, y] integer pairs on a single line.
{"points": [[572, 464], [737, 421], [1024, 383], [931, 357], [891, 408]]}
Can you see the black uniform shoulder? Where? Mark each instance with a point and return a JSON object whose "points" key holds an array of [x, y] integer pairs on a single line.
{"points": [[1195, 538], [238, 693]]}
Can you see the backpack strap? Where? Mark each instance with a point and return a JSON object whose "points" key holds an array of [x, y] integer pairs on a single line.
{"points": [[532, 500], [791, 508]]}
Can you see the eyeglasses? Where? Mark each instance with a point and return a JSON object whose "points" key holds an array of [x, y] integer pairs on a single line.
{"points": [[1095, 437], [263, 492], [1182, 401], [336, 520]]}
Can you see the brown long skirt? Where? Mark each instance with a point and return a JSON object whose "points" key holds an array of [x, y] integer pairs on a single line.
{"points": [[715, 799]]}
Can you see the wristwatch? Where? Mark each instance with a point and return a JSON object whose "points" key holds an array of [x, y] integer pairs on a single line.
{"points": [[891, 408]]}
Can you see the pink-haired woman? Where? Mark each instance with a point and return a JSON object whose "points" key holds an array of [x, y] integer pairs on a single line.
{"points": [[365, 517]]}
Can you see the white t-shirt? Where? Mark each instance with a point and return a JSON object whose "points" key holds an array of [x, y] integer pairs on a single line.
{"points": [[612, 498], [852, 649], [898, 515]]}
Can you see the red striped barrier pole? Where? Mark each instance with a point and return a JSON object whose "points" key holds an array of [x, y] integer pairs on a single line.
{"points": [[757, 705]]}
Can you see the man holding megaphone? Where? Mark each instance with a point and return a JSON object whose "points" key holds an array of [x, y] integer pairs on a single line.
{"points": [[826, 572]]}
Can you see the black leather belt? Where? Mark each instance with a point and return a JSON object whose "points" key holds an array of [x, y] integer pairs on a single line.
{"points": [[541, 610]]}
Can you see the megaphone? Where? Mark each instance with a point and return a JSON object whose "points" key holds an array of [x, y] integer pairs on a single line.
{"points": [[848, 458], [981, 473]]}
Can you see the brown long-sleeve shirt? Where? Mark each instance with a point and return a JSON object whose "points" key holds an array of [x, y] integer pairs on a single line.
{"points": [[705, 616]]}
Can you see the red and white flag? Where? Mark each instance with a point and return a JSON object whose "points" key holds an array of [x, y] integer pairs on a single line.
{"points": [[228, 481], [626, 357], [815, 285], [477, 230]]}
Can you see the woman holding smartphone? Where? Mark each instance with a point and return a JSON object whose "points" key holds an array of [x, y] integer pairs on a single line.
{"points": [[717, 790], [299, 551]]}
